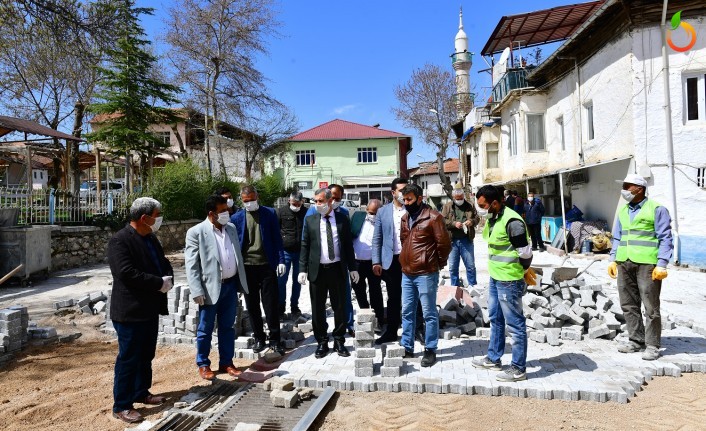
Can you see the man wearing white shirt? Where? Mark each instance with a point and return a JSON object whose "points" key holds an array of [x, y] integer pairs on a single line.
{"points": [[215, 272], [363, 228]]}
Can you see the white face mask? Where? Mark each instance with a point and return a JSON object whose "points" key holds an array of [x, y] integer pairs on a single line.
{"points": [[223, 218], [156, 225], [370, 218], [481, 212], [627, 195], [251, 206], [294, 209], [336, 204], [322, 209], [530, 198], [459, 202], [400, 198], [229, 202]]}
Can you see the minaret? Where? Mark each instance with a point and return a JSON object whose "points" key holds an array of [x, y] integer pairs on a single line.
{"points": [[461, 60]]}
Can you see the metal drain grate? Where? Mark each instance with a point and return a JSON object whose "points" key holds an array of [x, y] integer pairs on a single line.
{"points": [[223, 391]]}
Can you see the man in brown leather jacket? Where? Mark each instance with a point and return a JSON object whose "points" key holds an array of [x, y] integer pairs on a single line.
{"points": [[425, 250]]}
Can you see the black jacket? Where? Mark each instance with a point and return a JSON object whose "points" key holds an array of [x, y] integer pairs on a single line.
{"points": [[290, 224], [310, 257], [136, 279]]}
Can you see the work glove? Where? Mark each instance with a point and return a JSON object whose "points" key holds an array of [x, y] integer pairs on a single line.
{"points": [[530, 277], [280, 269], [301, 278], [659, 273], [613, 270], [199, 300], [167, 284], [354, 276]]}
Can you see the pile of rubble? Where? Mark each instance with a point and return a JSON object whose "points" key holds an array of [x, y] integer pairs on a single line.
{"points": [[93, 303], [284, 394]]}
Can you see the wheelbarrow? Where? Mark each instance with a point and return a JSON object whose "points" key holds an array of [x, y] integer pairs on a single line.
{"points": [[559, 273]]}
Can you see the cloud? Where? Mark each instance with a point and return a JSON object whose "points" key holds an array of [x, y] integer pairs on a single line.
{"points": [[343, 109]]}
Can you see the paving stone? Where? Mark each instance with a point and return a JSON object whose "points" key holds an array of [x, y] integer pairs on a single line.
{"points": [[364, 336], [394, 351], [278, 383], [483, 332], [390, 371], [668, 324], [468, 327], [290, 344], [538, 336], [367, 326], [572, 333], [553, 336], [83, 301], [365, 353], [447, 316], [363, 362], [364, 344], [468, 312], [598, 331], [305, 327], [448, 304], [393, 362], [365, 315], [364, 372]]}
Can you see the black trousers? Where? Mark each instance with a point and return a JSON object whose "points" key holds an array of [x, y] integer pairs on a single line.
{"points": [[263, 287], [535, 231], [137, 344], [365, 271], [393, 282], [330, 282]]}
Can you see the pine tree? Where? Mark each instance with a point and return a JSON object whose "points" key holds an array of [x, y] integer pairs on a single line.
{"points": [[131, 99]]}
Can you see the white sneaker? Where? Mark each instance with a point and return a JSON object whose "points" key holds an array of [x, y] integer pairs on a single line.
{"points": [[512, 374]]}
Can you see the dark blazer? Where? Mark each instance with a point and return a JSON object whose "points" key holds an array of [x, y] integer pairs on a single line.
{"points": [[136, 279], [310, 255], [357, 222], [269, 231]]}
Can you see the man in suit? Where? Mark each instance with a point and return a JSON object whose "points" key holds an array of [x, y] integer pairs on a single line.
{"points": [[326, 257], [215, 273], [362, 228], [386, 249], [291, 221], [261, 245], [142, 276]]}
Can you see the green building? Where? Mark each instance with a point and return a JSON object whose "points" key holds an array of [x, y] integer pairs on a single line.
{"points": [[364, 159]]}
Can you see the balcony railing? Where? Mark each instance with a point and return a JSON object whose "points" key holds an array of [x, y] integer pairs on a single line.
{"points": [[512, 80], [464, 98], [461, 56]]}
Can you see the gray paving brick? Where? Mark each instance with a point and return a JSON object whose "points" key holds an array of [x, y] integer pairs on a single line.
{"points": [[365, 353], [363, 362], [364, 344], [393, 362], [390, 371], [365, 315], [364, 372], [394, 351]]}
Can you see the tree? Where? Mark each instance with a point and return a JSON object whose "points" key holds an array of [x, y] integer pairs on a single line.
{"points": [[131, 98], [427, 106], [214, 45]]}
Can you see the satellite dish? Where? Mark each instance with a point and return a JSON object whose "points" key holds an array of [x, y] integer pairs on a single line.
{"points": [[504, 56]]}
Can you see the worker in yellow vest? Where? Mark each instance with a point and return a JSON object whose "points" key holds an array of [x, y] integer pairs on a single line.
{"points": [[509, 259], [642, 248]]}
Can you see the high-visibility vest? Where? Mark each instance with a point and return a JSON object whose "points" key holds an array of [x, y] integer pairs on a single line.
{"points": [[638, 238], [503, 259]]}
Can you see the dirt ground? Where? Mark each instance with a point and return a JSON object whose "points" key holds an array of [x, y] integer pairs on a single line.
{"points": [[69, 386]]}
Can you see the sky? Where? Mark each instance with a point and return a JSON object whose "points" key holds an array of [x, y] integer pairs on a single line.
{"points": [[343, 59]]}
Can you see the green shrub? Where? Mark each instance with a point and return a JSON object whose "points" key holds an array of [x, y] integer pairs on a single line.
{"points": [[269, 188], [181, 187]]}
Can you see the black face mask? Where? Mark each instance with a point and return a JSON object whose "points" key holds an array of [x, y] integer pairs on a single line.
{"points": [[413, 208]]}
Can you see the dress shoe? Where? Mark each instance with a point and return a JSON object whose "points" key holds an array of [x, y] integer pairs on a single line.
{"points": [[340, 348], [259, 346], [429, 358], [276, 346], [386, 337], [351, 333], [322, 350], [129, 416], [230, 369], [154, 400], [206, 373]]}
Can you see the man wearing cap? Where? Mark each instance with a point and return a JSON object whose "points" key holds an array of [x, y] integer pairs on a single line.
{"points": [[461, 219], [291, 220], [642, 248]]}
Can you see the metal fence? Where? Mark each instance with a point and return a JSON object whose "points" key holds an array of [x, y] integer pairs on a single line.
{"points": [[55, 206]]}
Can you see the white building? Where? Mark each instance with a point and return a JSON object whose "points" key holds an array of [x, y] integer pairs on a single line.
{"points": [[426, 176], [594, 111]]}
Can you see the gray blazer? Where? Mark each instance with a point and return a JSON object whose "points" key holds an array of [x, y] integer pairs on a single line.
{"points": [[202, 261]]}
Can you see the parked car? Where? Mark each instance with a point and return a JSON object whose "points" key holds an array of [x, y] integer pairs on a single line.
{"points": [[88, 188]]}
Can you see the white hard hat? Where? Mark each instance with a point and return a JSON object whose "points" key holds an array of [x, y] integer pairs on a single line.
{"points": [[634, 179]]}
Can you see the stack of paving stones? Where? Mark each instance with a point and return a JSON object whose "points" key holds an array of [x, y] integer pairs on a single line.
{"points": [[284, 394], [16, 331], [458, 319], [364, 343], [392, 361], [93, 303]]}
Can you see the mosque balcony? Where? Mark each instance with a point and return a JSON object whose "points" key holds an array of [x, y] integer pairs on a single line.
{"points": [[464, 98], [461, 57]]}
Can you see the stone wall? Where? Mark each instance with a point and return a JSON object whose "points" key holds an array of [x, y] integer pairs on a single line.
{"points": [[74, 246]]}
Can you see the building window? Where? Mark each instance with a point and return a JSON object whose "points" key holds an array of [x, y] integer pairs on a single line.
{"points": [[367, 155], [512, 138], [491, 155], [562, 136], [306, 158], [164, 139], [589, 121], [701, 177], [535, 132], [695, 98], [476, 161]]}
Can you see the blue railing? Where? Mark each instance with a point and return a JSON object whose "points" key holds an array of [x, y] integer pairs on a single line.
{"points": [[513, 79]]}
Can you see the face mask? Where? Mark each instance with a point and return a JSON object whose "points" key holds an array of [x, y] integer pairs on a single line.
{"points": [[336, 204], [412, 209], [294, 209], [530, 198], [627, 195], [229, 202], [370, 218], [251, 206], [156, 225], [481, 212], [322, 209], [459, 202], [400, 198], [223, 218]]}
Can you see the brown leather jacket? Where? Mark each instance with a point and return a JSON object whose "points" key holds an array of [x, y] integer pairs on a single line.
{"points": [[426, 246]]}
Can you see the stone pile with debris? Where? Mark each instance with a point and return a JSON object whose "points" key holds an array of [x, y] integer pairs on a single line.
{"points": [[93, 303], [284, 394], [17, 332]]}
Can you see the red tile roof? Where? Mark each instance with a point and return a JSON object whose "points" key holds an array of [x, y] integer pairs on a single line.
{"points": [[336, 130], [428, 168]]}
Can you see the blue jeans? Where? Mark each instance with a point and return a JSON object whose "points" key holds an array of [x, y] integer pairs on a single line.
{"points": [[291, 261], [505, 307], [137, 343], [225, 308], [462, 248], [420, 288]]}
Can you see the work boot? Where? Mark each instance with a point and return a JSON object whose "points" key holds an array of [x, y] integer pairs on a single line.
{"points": [[429, 358]]}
